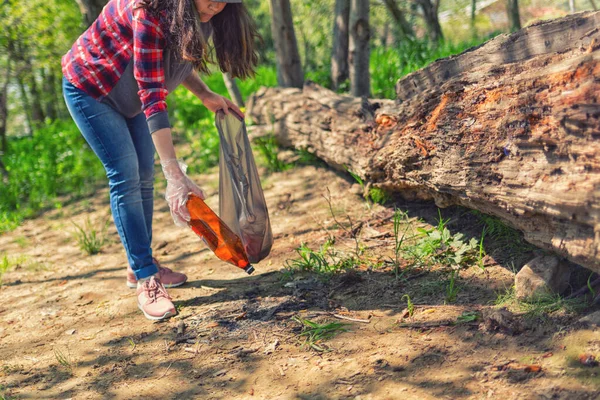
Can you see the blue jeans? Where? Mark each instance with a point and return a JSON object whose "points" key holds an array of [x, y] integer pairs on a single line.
{"points": [[125, 148]]}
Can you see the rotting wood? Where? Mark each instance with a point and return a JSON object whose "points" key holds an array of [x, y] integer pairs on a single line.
{"points": [[510, 129]]}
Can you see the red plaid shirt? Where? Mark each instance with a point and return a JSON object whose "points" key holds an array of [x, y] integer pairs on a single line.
{"points": [[100, 55]]}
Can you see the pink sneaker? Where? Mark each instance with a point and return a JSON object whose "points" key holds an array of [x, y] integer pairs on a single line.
{"points": [[168, 277], [154, 301]]}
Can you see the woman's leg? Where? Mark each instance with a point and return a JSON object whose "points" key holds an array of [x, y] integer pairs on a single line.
{"points": [[108, 134], [144, 147]]}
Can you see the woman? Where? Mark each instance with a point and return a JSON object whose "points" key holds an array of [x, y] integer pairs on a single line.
{"points": [[116, 79]]}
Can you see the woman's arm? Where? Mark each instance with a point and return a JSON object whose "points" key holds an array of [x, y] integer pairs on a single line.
{"points": [[210, 99]]}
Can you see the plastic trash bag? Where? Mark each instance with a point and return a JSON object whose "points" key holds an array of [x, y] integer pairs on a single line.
{"points": [[242, 203]]}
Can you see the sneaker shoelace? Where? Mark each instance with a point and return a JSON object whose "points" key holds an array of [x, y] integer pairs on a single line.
{"points": [[155, 290]]}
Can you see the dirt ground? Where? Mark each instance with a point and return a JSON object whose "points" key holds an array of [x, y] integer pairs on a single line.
{"points": [[70, 328]]}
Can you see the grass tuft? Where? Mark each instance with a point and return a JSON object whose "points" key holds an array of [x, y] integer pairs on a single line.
{"points": [[89, 239], [314, 334]]}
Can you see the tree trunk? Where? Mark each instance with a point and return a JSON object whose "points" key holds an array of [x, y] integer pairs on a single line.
{"points": [[289, 68], [473, 13], [359, 51], [37, 113], [26, 104], [90, 9], [339, 53], [4, 107], [49, 88], [233, 90], [514, 18], [430, 14], [511, 129], [572, 6], [593, 3], [402, 26]]}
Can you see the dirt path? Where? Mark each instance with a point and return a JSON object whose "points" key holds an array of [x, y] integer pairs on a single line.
{"points": [[69, 327]]}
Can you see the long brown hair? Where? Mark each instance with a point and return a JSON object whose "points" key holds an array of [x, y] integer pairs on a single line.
{"points": [[233, 35]]}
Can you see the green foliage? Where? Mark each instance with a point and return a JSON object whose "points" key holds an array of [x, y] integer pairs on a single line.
{"points": [[452, 288], [89, 239], [268, 148], [387, 65], [508, 238], [379, 196], [64, 359], [467, 316], [400, 217], [409, 305], [540, 306], [589, 285], [54, 162], [314, 333], [325, 261], [439, 246]]}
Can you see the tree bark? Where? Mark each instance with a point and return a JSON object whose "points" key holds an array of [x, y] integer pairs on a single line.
{"points": [[90, 9], [233, 90], [473, 13], [339, 52], [514, 17], [50, 99], [432, 22], [359, 51], [26, 104], [289, 68], [37, 112], [4, 107], [511, 128]]}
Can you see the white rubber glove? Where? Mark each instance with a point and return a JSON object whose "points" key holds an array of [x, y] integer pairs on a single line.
{"points": [[179, 186]]}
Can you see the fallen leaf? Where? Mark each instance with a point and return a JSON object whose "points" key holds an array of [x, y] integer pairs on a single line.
{"points": [[533, 368], [70, 332]]}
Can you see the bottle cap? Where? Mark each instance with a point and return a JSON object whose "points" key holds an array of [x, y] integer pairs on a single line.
{"points": [[249, 269]]}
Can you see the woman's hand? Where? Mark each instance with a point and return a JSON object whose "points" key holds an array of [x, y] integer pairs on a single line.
{"points": [[215, 102], [179, 186]]}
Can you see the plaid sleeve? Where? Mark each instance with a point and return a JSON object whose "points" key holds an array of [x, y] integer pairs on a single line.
{"points": [[148, 45]]}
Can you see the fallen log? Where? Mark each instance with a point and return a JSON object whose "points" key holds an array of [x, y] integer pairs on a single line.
{"points": [[511, 128]]}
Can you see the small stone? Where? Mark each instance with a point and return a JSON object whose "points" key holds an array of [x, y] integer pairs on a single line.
{"points": [[592, 320], [542, 276]]}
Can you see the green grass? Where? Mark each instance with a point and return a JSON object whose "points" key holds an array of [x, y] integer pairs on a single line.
{"points": [[314, 334], [468, 316], [510, 240], [400, 218], [325, 261], [438, 246], [409, 305], [90, 239], [64, 359], [541, 306], [10, 263], [55, 162], [387, 65], [268, 150]]}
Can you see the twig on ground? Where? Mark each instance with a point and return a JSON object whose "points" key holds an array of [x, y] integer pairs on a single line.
{"points": [[364, 321], [437, 324], [167, 370], [584, 289]]}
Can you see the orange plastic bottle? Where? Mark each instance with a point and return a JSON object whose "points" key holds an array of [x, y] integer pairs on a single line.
{"points": [[220, 239]]}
